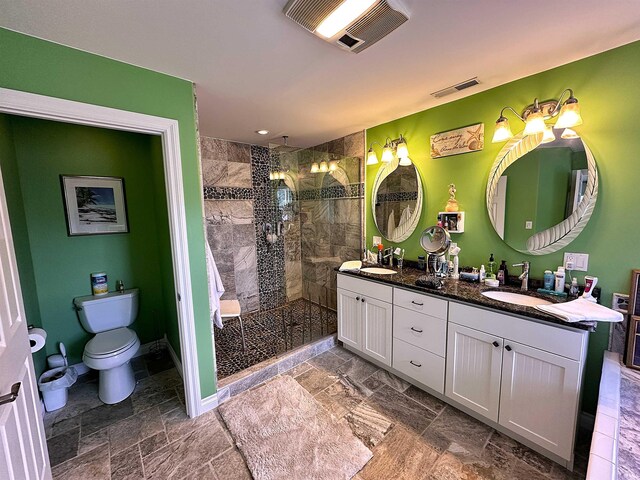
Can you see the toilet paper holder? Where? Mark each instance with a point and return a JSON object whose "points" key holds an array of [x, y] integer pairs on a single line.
{"points": [[37, 338]]}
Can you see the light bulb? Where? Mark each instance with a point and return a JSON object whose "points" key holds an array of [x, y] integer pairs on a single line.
{"points": [[323, 166], [401, 149], [569, 114], [372, 158], [534, 123], [502, 130], [548, 136], [387, 154], [281, 176], [405, 162], [314, 167], [333, 166]]}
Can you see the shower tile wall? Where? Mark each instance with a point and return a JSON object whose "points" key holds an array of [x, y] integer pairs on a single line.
{"points": [[322, 230], [230, 219], [330, 214]]}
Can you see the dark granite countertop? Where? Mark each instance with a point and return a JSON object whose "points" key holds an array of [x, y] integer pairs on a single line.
{"points": [[472, 293]]}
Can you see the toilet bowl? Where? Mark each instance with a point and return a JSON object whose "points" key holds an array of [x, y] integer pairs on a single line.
{"points": [[110, 351]]}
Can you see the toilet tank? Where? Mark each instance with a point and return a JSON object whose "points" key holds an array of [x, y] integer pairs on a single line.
{"points": [[107, 312]]}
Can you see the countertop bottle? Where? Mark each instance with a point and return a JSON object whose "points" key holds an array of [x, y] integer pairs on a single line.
{"points": [[492, 267], [549, 280]]}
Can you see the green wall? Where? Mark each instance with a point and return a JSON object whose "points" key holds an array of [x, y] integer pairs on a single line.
{"points": [[33, 65], [605, 86], [19, 231], [61, 264]]}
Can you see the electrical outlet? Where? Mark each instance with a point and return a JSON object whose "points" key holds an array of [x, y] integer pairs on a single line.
{"points": [[576, 261], [377, 241], [528, 225]]}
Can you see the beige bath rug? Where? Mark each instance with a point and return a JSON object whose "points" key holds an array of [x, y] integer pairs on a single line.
{"points": [[284, 433]]}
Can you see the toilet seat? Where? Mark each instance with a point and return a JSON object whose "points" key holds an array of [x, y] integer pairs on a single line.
{"points": [[111, 343]]}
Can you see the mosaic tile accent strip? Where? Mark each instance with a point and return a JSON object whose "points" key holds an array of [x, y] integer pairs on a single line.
{"points": [[353, 190], [270, 256], [396, 197], [227, 193]]}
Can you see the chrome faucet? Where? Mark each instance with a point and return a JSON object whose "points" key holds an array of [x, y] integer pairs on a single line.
{"points": [[388, 255], [524, 277]]}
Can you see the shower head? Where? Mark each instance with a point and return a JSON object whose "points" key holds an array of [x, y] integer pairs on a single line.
{"points": [[284, 148]]}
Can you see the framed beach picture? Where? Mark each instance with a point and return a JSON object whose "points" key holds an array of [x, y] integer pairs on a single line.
{"points": [[94, 205]]}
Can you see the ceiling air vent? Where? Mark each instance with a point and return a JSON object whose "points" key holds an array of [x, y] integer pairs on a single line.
{"points": [[456, 88], [353, 25]]}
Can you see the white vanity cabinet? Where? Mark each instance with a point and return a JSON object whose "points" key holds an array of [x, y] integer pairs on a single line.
{"points": [[420, 337], [365, 317], [524, 375], [521, 375]]}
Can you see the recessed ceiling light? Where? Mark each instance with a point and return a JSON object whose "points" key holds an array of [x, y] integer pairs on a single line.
{"points": [[262, 132]]}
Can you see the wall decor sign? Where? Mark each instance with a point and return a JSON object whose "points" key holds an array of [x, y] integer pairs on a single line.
{"points": [[94, 205], [461, 140]]}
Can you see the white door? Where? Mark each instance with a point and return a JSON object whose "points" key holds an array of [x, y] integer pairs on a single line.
{"points": [[349, 318], [376, 329], [539, 397], [474, 364], [23, 448]]}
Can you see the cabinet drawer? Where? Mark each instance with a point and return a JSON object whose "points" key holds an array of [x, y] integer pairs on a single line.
{"points": [[420, 330], [366, 287], [528, 332], [420, 303], [424, 367]]}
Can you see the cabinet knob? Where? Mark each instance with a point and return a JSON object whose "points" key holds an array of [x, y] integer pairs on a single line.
{"points": [[415, 364], [496, 344], [508, 348], [357, 298], [416, 330], [362, 299]]}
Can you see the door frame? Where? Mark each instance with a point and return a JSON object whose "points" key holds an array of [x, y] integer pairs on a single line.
{"points": [[25, 104]]}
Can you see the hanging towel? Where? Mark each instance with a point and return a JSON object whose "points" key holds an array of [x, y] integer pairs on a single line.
{"points": [[581, 310], [216, 289]]}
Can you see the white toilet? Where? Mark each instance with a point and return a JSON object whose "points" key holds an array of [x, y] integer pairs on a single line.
{"points": [[111, 350]]}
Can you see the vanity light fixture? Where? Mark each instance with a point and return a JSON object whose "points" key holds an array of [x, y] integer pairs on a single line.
{"points": [[277, 175], [397, 147], [314, 167], [324, 167], [535, 116], [333, 165]]}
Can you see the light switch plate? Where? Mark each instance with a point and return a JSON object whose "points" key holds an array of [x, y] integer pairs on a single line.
{"points": [[377, 241], [576, 261]]}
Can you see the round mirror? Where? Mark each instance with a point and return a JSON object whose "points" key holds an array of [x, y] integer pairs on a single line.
{"points": [[540, 195], [397, 200]]}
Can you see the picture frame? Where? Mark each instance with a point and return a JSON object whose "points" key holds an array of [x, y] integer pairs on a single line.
{"points": [[94, 205]]}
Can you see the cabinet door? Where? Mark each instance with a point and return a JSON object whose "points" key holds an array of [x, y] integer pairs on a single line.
{"points": [[474, 363], [539, 397], [349, 318], [376, 329]]}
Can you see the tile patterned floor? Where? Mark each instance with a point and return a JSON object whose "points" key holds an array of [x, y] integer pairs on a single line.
{"points": [[267, 337], [412, 434]]}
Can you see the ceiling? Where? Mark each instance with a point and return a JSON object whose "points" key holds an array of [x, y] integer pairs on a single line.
{"points": [[256, 69]]}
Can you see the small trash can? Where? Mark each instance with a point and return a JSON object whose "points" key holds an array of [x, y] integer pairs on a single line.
{"points": [[54, 385]]}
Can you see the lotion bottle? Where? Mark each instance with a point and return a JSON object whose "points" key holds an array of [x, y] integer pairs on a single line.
{"points": [[560, 275]]}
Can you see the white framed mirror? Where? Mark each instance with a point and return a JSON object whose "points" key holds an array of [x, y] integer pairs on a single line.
{"points": [[397, 200], [541, 195]]}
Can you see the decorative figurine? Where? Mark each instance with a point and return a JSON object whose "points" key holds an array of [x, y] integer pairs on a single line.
{"points": [[452, 203]]}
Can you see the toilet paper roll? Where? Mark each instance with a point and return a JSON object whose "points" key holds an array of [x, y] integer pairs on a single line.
{"points": [[37, 337]]}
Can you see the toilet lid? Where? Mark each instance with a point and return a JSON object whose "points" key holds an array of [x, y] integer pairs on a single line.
{"points": [[111, 341]]}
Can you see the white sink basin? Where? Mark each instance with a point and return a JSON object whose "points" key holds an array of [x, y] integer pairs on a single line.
{"points": [[378, 271], [516, 298]]}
